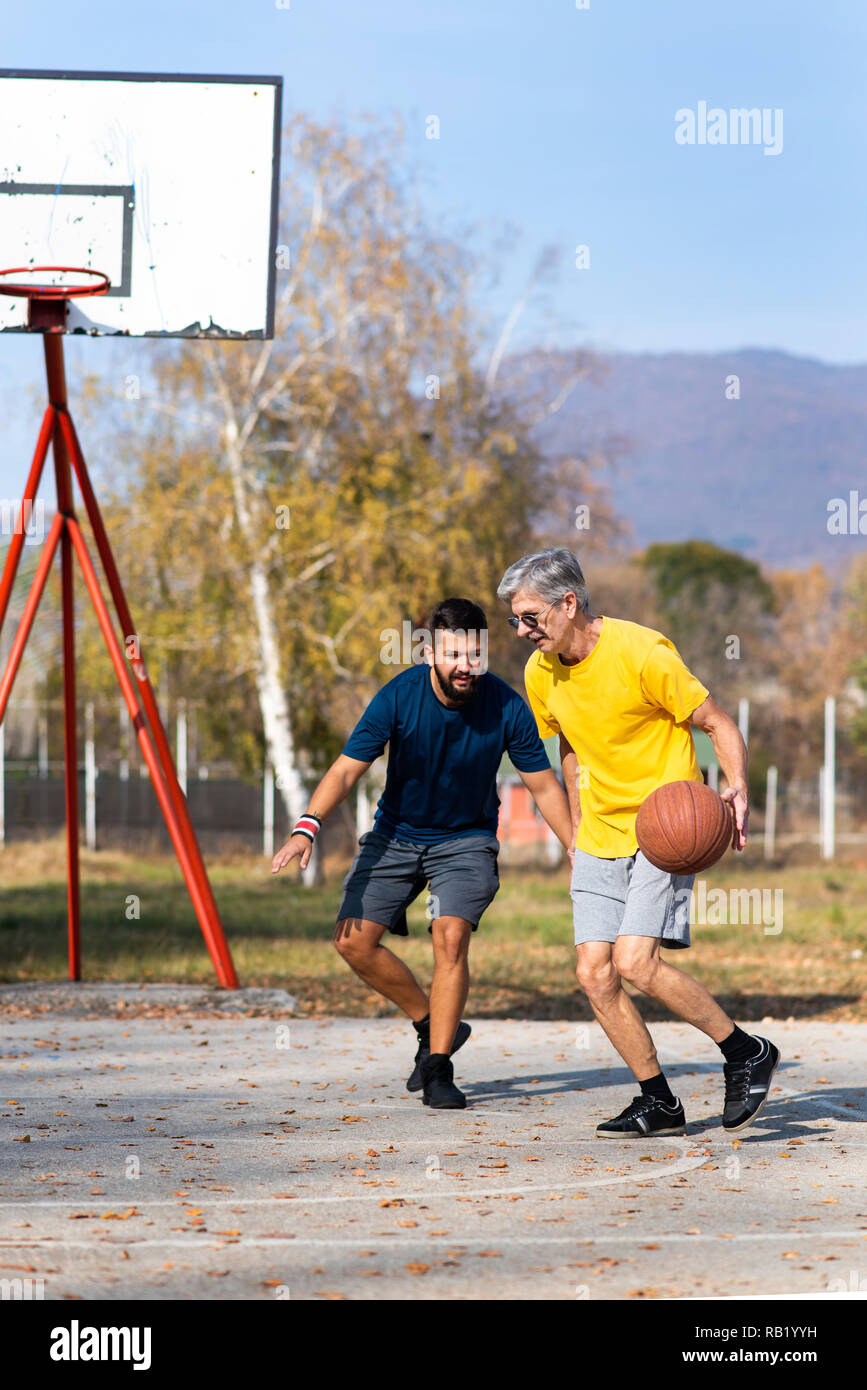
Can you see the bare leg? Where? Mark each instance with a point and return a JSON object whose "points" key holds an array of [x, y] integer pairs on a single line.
{"points": [[451, 981], [599, 977], [638, 960], [358, 941]]}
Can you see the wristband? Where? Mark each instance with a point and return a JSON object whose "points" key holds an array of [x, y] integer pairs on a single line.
{"points": [[308, 825]]}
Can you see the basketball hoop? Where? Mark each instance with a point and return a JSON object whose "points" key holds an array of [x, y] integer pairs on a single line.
{"points": [[47, 299], [100, 283]]}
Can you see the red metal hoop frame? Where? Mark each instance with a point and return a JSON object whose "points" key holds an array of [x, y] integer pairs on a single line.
{"points": [[47, 307], [41, 291]]}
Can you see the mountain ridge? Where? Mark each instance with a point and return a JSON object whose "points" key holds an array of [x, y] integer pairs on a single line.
{"points": [[753, 471]]}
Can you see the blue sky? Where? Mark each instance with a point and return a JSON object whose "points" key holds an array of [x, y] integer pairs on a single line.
{"points": [[557, 129]]}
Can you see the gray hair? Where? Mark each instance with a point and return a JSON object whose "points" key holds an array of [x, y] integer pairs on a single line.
{"points": [[549, 573]]}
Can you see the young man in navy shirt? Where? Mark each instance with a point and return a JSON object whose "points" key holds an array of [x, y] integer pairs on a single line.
{"points": [[447, 724]]}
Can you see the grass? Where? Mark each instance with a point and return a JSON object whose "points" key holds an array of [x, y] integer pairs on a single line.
{"points": [[521, 957]]}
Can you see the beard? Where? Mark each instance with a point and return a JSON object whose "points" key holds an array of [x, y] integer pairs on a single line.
{"points": [[459, 693]]}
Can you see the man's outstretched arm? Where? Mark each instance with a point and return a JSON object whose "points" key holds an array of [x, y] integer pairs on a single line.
{"points": [[335, 786], [549, 796]]}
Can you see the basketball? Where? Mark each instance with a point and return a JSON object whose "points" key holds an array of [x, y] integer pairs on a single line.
{"points": [[683, 827]]}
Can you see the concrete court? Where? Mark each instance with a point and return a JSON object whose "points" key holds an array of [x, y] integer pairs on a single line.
{"points": [[231, 1157]]}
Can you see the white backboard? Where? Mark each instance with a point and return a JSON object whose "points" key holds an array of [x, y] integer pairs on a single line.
{"points": [[169, 184]]}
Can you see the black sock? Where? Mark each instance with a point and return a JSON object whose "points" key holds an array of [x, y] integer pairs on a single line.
{"points": [[739, 1046], [423, 1024], [658, 1087]]}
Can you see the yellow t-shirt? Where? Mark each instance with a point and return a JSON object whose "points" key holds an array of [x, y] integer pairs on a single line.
{"points": [[624, 710]]}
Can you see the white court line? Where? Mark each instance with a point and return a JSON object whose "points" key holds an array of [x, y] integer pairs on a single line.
{"points": [[649, 1237], [820, 1100], [299, 1140], [684, 1165], [299, 1134]]}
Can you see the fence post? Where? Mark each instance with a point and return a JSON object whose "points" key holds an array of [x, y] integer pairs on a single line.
{"points": [[828, 780], [89, 779], [744, 719], [123, 770], [42, 745], [770, 812], [181, 742]]}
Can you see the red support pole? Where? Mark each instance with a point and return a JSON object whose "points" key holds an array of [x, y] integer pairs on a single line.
{"points": [[70, 759], [148, 699], [30, 607], [13, 555], [138, 721], [56, 376], [49, 314]]}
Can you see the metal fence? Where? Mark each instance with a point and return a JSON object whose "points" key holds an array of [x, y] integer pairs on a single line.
{"points": [[230, 813]]}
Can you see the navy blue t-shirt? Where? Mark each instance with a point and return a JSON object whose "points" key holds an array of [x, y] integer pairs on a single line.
{"points": [[442, 762]]}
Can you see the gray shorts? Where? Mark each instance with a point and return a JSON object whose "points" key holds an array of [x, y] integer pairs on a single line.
{"points": [[387, 875], [628, 897]]}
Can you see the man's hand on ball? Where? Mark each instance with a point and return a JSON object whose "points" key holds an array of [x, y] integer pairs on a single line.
{"points": [[738, 798]]}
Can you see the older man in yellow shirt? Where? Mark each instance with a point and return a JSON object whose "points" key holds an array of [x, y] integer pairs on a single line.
{"points": [[622, 700]]}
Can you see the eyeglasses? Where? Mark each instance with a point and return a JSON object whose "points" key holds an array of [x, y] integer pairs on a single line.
{"points": [[531, 620]]}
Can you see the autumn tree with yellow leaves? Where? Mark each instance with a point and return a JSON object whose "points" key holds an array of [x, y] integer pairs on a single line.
{"points": [[279, 506]]}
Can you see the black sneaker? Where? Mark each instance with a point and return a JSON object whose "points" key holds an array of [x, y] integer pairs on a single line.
{"points": [[415, 1082], [644, 1116], [748, 1085], [440, 1090]]}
